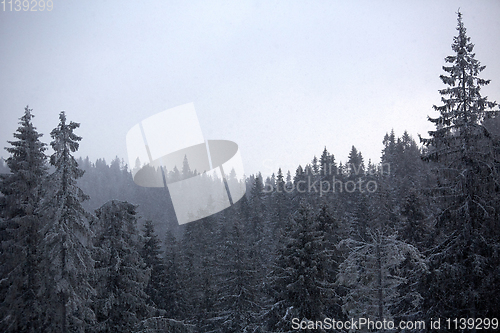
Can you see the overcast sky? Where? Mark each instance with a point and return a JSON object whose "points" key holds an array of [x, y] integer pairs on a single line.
{"points": [[282, 79]]}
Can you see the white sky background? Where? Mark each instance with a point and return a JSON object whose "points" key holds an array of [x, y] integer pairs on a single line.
{"points": [[282, 79]]}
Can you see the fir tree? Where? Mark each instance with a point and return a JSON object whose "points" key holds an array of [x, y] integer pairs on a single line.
{"points": [[355, 165], [186, 170], [328, 168], [20, 250], [28, 168], [372, 273], [151, 254], [259, 230], [121, 275], [299, 186], [279, 203], [333, 233], [464, 265], [354, 195], [314, 166], [66, 257], [173, 301], [197, 264], [300, 286], [237, 303]]}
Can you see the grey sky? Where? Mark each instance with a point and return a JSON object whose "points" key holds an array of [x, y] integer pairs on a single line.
{"points": [[280, 78]]}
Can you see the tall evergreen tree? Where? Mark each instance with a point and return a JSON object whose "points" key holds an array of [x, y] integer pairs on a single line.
{"points": [[355, 165], [355, 196], [299, 186], [66, 256], [328, 173], [20, 255], [197, 265], [121, 275], [260, 230], [28, 168], [237, 303], [334, 232], [186, 170], [279, 203], [371, 273], [300, 286], [152, 255], [464, 265], [173, 301]]}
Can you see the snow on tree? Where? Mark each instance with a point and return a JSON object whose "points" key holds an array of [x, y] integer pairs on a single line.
{"points": [[466, 158], [198, 260], [405, 177], [20, 257], [371, 274], [300, 283], [237, 305], [67, 261], [462, 147], [160, 325], [259, 230], [121, 276], [28, 167], [333, 233]]}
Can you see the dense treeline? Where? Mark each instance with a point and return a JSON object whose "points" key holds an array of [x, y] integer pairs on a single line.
{"points": [[415, 237]]}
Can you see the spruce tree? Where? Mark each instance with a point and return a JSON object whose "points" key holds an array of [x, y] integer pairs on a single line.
{"points": [[173, 301], [355, 165], [299, 186], [300, 285], [354, 195], [279, 204], [328, 168], [189, 263], [465, 155], [186, 170], [121, 275], [371, 274], [151, 254], [259, 231], [237, 305], [28, 168], [20, 255], [333, 232], [67, 261], [198, 259]]}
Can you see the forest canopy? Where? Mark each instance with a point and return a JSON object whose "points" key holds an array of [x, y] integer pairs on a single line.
{"points": [[412, 239]]}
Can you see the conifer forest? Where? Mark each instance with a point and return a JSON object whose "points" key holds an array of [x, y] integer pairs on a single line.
{"points": [[340, 244]]}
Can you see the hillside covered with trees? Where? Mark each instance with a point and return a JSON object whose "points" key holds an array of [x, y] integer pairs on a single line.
{"points": [[413, 238]]}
